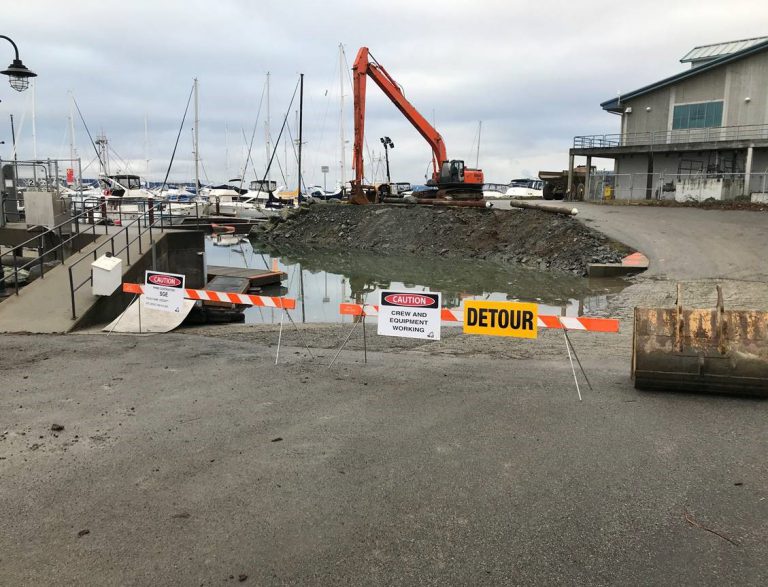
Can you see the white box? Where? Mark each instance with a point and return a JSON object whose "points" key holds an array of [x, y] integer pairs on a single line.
{"points": [[107, 275]]}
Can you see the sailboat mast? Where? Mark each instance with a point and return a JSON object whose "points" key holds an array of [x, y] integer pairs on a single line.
{"points": [[267, 137], [301, 124], [146, 145], [197, 140], [479, 130], [341, 113], [226, 151], [71, 129]]}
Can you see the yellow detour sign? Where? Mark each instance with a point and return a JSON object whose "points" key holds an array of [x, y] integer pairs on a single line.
{"points": [[501, 318]]}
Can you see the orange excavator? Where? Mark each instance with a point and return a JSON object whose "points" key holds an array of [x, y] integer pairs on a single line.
{"points": [[453, 180]]}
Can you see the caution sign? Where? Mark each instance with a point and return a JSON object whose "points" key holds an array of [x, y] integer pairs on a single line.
{"points": [[409, 314], [164, 291], [501, 318]]}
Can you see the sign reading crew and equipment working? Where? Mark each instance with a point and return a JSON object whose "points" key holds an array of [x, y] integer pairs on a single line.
{"points": [[164, 291], [410, 314], [501, 318]]}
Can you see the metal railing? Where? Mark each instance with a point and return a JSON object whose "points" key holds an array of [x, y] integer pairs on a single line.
{"points": [[39, 242], [149, 216], [690, 135]]}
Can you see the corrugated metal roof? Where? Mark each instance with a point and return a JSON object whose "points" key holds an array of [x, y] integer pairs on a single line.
{"points": [[719, 49], [614, 105]]}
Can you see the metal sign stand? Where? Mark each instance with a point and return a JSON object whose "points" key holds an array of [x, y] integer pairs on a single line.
{"points": [[568, 347], [123, 314], [346, 340], [280, 335]]}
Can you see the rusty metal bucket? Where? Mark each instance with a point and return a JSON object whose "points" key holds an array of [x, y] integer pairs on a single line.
{"points": [[716, 351]]}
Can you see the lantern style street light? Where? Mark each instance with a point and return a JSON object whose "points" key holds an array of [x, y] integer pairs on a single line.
{"points": [[17, 72]]}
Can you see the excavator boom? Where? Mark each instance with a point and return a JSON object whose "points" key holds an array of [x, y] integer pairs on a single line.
{"points": [[450, 176]]}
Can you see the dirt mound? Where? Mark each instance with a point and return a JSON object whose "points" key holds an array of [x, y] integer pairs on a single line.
{"points": [[532, 238]]}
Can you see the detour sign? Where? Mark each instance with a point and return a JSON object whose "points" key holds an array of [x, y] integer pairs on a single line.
{"points": [[501, 318]]}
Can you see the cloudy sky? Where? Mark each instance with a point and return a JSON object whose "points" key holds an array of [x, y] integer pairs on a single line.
{"points": [[534, 73]]}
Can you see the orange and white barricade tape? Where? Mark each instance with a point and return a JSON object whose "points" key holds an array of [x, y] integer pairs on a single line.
{"points": [[456, 315], [221, 296]]}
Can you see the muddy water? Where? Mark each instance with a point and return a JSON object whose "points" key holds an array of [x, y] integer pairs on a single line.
{"points": [[320, 281]]}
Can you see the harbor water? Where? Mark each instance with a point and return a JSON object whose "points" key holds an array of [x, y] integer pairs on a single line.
{"points": [[321, 280]]}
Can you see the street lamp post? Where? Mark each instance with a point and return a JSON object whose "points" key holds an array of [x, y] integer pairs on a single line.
{"points": [[388, 144], [17, 72]]}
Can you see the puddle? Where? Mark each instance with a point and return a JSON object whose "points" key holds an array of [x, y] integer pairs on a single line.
{"points": [[320, 281]]}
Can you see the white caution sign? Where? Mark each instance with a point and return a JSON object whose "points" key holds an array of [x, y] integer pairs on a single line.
{"points": [[164, 291], [409, 314]]}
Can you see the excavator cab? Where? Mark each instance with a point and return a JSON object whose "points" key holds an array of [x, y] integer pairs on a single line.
{"points": [[451, 172]]}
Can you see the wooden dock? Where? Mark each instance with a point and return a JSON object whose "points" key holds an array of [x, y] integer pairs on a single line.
{"points": [[256, 277]]}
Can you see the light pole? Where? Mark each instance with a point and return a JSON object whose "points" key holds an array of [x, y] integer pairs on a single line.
{"points": [[388, 144], [17, 72]]}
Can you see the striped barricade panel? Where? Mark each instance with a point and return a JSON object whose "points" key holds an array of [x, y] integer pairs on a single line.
{"points": [[221, 296], [456, 315]]}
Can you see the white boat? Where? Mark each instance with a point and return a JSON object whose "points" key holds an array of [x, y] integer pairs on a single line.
{"points": [[494, 190], [244, 207], [125, 201], [526, 188]]}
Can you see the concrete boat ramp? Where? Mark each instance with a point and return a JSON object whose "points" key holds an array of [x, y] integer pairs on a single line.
{"points": [[49, 305]]}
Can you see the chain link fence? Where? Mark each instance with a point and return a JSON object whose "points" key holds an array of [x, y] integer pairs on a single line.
{"points": [[693, 187]]}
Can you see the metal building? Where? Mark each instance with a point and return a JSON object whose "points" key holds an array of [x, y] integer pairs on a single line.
{"points": [[701, 134]]}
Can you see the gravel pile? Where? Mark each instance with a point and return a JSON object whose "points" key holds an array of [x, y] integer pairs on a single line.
{"points": [[532, 238]]}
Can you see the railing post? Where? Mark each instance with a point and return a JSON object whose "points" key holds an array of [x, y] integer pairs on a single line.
{"points": [[152, 211], [40, 254], [15, 271], [72, 293], [127, 247]]}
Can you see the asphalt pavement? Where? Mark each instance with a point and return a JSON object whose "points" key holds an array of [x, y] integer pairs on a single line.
{"points": [[192, 459]]}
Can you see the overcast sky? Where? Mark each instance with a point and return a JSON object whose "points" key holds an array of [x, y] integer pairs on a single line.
{"points": [[534, 73]]}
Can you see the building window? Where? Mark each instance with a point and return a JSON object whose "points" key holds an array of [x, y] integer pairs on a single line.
{"points": [[704, 115]]}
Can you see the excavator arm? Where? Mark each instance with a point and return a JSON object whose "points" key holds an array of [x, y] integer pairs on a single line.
{"points": [[365, 65], [451, 177]]}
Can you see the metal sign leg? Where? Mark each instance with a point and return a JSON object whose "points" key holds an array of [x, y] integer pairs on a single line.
{"points": [[341, 348], [573, 348], [279, 337], [301, 335]]}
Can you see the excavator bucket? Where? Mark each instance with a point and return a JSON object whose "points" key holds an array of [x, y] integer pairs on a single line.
{"points": [[694, 350]]}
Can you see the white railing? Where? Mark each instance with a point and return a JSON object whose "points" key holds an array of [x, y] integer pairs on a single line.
{"points": [[689, 135]]}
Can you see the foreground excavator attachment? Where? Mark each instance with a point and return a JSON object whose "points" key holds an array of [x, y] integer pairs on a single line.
{"points": [[713, 350]]}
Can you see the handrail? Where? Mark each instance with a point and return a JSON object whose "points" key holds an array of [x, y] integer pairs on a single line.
{"points": [[148, 216], [688, 135], [39, 239]]}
